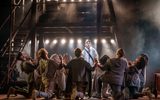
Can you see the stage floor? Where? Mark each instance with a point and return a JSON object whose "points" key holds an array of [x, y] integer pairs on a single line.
{"points": [[20, 97]]}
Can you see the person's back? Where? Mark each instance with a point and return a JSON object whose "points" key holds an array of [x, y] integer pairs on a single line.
{"points": [[78, 68], [116, 70], [79, 74]]}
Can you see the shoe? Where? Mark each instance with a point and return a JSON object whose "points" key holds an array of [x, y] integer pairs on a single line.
{"points": [[149, 94], [97, 96], [74, 93], [11, 91], [34, 94], [80, 95]]}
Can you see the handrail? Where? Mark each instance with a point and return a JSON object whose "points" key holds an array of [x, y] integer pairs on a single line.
{"points": [[16, 31], [13, 10]]}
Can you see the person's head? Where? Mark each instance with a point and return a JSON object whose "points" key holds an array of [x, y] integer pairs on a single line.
{"points": [[140, 62], [42, 53], [120, 53], [20, 56], [103, 59], [66, 58], [56, 58], [145, 56], [88, 43], [78, 52]]}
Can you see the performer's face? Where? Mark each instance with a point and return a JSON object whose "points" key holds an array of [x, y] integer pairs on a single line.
{"points": [[88, 44]]}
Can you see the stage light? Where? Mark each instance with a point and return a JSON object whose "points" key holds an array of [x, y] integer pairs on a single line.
{"points": [[88, 0], [55, 41], [112, 41], [80, 0], [30, 42], [72, 0], [63, 41], [103, 41], [71, 41], [79, 41], [64, 0], [48, 0], [95, 40], [47, 41]]}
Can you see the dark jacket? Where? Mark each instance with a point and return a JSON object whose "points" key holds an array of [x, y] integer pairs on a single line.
{"points": [[79, 70], [115, 69]]}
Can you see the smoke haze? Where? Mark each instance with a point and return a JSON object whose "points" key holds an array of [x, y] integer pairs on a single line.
{"points": [[139, 31]]}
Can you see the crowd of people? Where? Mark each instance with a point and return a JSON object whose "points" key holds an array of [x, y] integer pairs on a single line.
{"points": [[85, 75]]}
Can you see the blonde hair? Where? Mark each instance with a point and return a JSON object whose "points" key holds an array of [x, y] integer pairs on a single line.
{"points": [[43, 53], [120, 52]]}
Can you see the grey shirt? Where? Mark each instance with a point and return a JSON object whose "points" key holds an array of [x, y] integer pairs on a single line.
{"points": [[115, 69]]}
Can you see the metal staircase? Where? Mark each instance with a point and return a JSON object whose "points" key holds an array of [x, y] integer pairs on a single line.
{"points": [[21, 28]]}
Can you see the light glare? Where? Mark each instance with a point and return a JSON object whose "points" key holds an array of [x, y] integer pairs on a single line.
{"points": [[95, 40], [54, 41], [47, 41], [63, 41], [30, 42], [103, 41], [79, 41], [71, 41], [112, 41]]}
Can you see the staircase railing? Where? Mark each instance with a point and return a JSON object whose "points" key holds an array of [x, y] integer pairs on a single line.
{"points": [[6, 46]]}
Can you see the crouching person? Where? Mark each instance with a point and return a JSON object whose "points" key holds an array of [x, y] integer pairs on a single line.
{"points": [[133, 78], [78, 76], [27, 66], [46, 70]]}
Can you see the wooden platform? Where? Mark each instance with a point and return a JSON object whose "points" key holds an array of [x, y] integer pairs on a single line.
{"points": [[20, 97]]}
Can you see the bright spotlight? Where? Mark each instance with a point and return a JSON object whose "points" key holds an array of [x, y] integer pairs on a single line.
{"points": [[72, 0], [112, 41], [80, 0], [64, 0], [88, 0], [103, 41], [71, 41], [79, 41], [30, 42], [47, 41], [95, 40], [55, 41], [48, 0], [63, 41]]}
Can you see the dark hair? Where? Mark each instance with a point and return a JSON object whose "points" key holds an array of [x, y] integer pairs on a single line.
{"points": [[77, 52], [88, 40], [19, 56], [120, 52], [141, 63], [103, 59], [145, 57], [43, 53]]}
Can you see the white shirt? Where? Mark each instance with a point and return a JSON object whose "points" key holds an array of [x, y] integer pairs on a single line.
{"points": [[86, 56]]}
